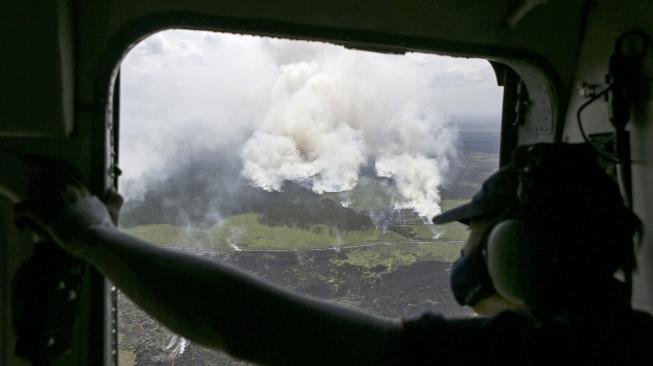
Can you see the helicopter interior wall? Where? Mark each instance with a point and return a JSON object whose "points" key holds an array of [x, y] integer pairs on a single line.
{"points": [[11, 256], [477, 28], [607, 20], [15, 248], [37, 68]]}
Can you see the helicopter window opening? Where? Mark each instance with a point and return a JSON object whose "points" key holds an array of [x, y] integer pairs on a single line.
{"points": [[311, 165]]}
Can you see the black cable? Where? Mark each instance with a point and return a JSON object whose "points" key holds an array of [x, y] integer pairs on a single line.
{"points": [[618, 51], [596, 149]]}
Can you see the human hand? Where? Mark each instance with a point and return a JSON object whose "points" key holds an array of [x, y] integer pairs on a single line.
{"points": [[114, 201], [53, 186], [59, 206]]}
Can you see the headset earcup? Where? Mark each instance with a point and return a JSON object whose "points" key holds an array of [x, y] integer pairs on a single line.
{"points": [[519, 261]]}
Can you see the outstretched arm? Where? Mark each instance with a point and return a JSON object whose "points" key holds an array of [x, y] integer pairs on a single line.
{"points": [[219, 306]]}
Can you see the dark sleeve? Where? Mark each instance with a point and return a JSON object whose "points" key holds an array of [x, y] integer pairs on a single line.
{"points": [[433, 340], [522, 337]]}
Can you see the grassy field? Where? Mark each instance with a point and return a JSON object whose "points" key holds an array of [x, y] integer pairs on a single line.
{"points": [[374, 195], [246, 232], [454, 231], [385, 258], [165, 234]]}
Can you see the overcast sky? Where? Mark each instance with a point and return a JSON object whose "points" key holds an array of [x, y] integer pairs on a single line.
{"points": [[320, 110]]}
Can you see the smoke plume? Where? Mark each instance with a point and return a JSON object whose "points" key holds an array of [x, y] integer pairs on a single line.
{"points": [[225, 111], [324, 125]]}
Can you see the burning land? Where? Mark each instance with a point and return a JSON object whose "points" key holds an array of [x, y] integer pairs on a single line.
{"points": [[310, 165], [353, 247]]}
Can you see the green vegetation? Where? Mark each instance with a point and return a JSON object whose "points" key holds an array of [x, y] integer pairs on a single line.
{"points": [[246, 231], [454, 231], [381, 259], [449, 232], [165, 234], [449, 204], [126, 358], [372, 195], [304, 209]]}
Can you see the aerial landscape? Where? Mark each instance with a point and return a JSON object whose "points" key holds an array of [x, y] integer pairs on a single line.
{"points": [[354, 247], [310, 165]]}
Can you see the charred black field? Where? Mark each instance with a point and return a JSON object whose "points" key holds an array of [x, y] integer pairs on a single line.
{"points": [[405, 292]]}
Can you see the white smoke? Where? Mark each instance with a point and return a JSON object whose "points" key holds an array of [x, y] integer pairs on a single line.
{"points": [[303, 111], [233, 237], [417, 179], [325, 123], [175, 348], [437, 231], [307, 135]]}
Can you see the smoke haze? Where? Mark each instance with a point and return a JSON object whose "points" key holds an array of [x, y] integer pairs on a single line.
{"points": [[248, 111]]}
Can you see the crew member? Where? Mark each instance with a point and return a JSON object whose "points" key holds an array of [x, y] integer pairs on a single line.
{"points": [[549, 238]]}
